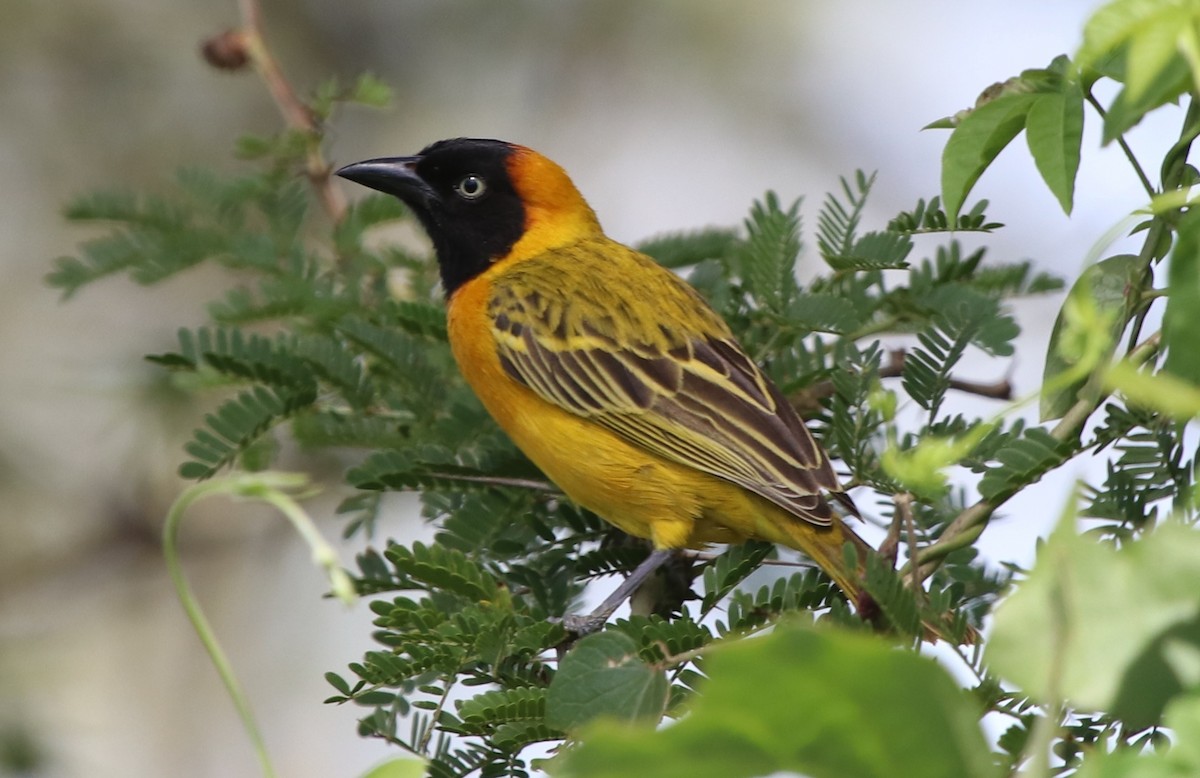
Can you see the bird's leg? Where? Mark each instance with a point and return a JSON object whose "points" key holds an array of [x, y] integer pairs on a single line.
{"points": [[585, 625]]}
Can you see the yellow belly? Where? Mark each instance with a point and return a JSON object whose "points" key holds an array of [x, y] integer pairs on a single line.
{"points": [[639, 492]]}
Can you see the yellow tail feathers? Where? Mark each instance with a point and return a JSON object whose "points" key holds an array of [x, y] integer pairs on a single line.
{"points": [[825, 546]]}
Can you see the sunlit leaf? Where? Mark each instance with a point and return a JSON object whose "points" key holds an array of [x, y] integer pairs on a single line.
{"points": [[1093, 624]]}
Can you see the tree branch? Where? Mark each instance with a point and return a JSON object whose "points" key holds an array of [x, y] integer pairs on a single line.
{"points": [[248, 43], [969, 525], [807, 400]]}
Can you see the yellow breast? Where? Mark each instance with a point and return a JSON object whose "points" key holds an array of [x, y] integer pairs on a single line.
{"points": [[639, 492]]}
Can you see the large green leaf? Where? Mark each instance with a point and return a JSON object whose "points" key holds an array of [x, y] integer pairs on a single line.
{"points": [[398, 768], [602, 677], [1105, 629], [1104, 286], [1054, 131], [976, 141], [804, 700], [1150, 31], [1180, 760], [1181, 321]]}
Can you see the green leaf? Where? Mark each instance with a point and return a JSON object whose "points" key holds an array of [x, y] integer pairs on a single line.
{"points": [[874, 251], [397, 768], [922, 468], [1105, 629], [448, 569], [1078, 346], [1163, 392], [1181, 759], [1139, 43], [1126, 111], [684, 249], [976, 141], [1151, 33], [730, 569], [1021, 462], [1181, 321], [1110, 26], [1153, 46], [824, 313], [369, 90], [767, 261], [837, 222], [809, 701], [1054, 131], [602, 677]]}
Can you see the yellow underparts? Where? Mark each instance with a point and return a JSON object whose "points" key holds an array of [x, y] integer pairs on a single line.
{"points": [[672, 505]]}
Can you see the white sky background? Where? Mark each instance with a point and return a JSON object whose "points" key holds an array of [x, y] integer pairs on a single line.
{"points": [[669, 116]]}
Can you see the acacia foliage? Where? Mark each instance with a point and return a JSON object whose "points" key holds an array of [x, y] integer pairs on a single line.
{"points": [[328, 340]]}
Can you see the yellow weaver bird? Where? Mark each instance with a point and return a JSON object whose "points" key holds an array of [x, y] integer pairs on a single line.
{"points": [[610, 372]]}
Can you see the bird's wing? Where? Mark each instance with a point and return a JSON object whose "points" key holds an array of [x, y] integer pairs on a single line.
{"points": [[653, 363]]}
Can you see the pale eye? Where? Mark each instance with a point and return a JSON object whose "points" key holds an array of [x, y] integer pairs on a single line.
{"points": [[471, 187]]}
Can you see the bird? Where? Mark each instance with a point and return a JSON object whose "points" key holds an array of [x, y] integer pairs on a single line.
{"points": [[610, 372]]}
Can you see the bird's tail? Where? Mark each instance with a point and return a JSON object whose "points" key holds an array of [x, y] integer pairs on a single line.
{"points": [[826, 546]]}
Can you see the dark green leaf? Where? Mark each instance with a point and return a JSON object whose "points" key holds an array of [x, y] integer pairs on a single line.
{"points": [[1181, 321], [603, 677], [859, 709], [1111, 284]]}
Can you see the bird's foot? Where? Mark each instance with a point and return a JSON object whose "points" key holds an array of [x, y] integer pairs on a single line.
{"points": [[581, 626]]}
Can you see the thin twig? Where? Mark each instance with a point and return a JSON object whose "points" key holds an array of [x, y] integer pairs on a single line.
{"points": [[890, 547], [904, 514], [423, 744], [806, 400], [519, 483], [1137, 168], [295, 112]]}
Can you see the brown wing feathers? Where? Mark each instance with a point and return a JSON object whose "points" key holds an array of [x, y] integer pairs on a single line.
{"points": [[695, 397]]}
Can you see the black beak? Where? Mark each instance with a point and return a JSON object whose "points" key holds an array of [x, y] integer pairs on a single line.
{"points": [[391, 175]]}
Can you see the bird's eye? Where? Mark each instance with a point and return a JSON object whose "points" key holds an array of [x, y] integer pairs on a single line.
{"points": [[471, 187]]}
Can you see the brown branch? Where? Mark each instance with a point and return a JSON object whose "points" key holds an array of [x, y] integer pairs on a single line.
{"points": [[231, 50], [904, 514], [995, 390], [808, 400], [890, 547]]}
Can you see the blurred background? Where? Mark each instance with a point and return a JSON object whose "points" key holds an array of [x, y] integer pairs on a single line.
{"points": [[670, 115]]}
